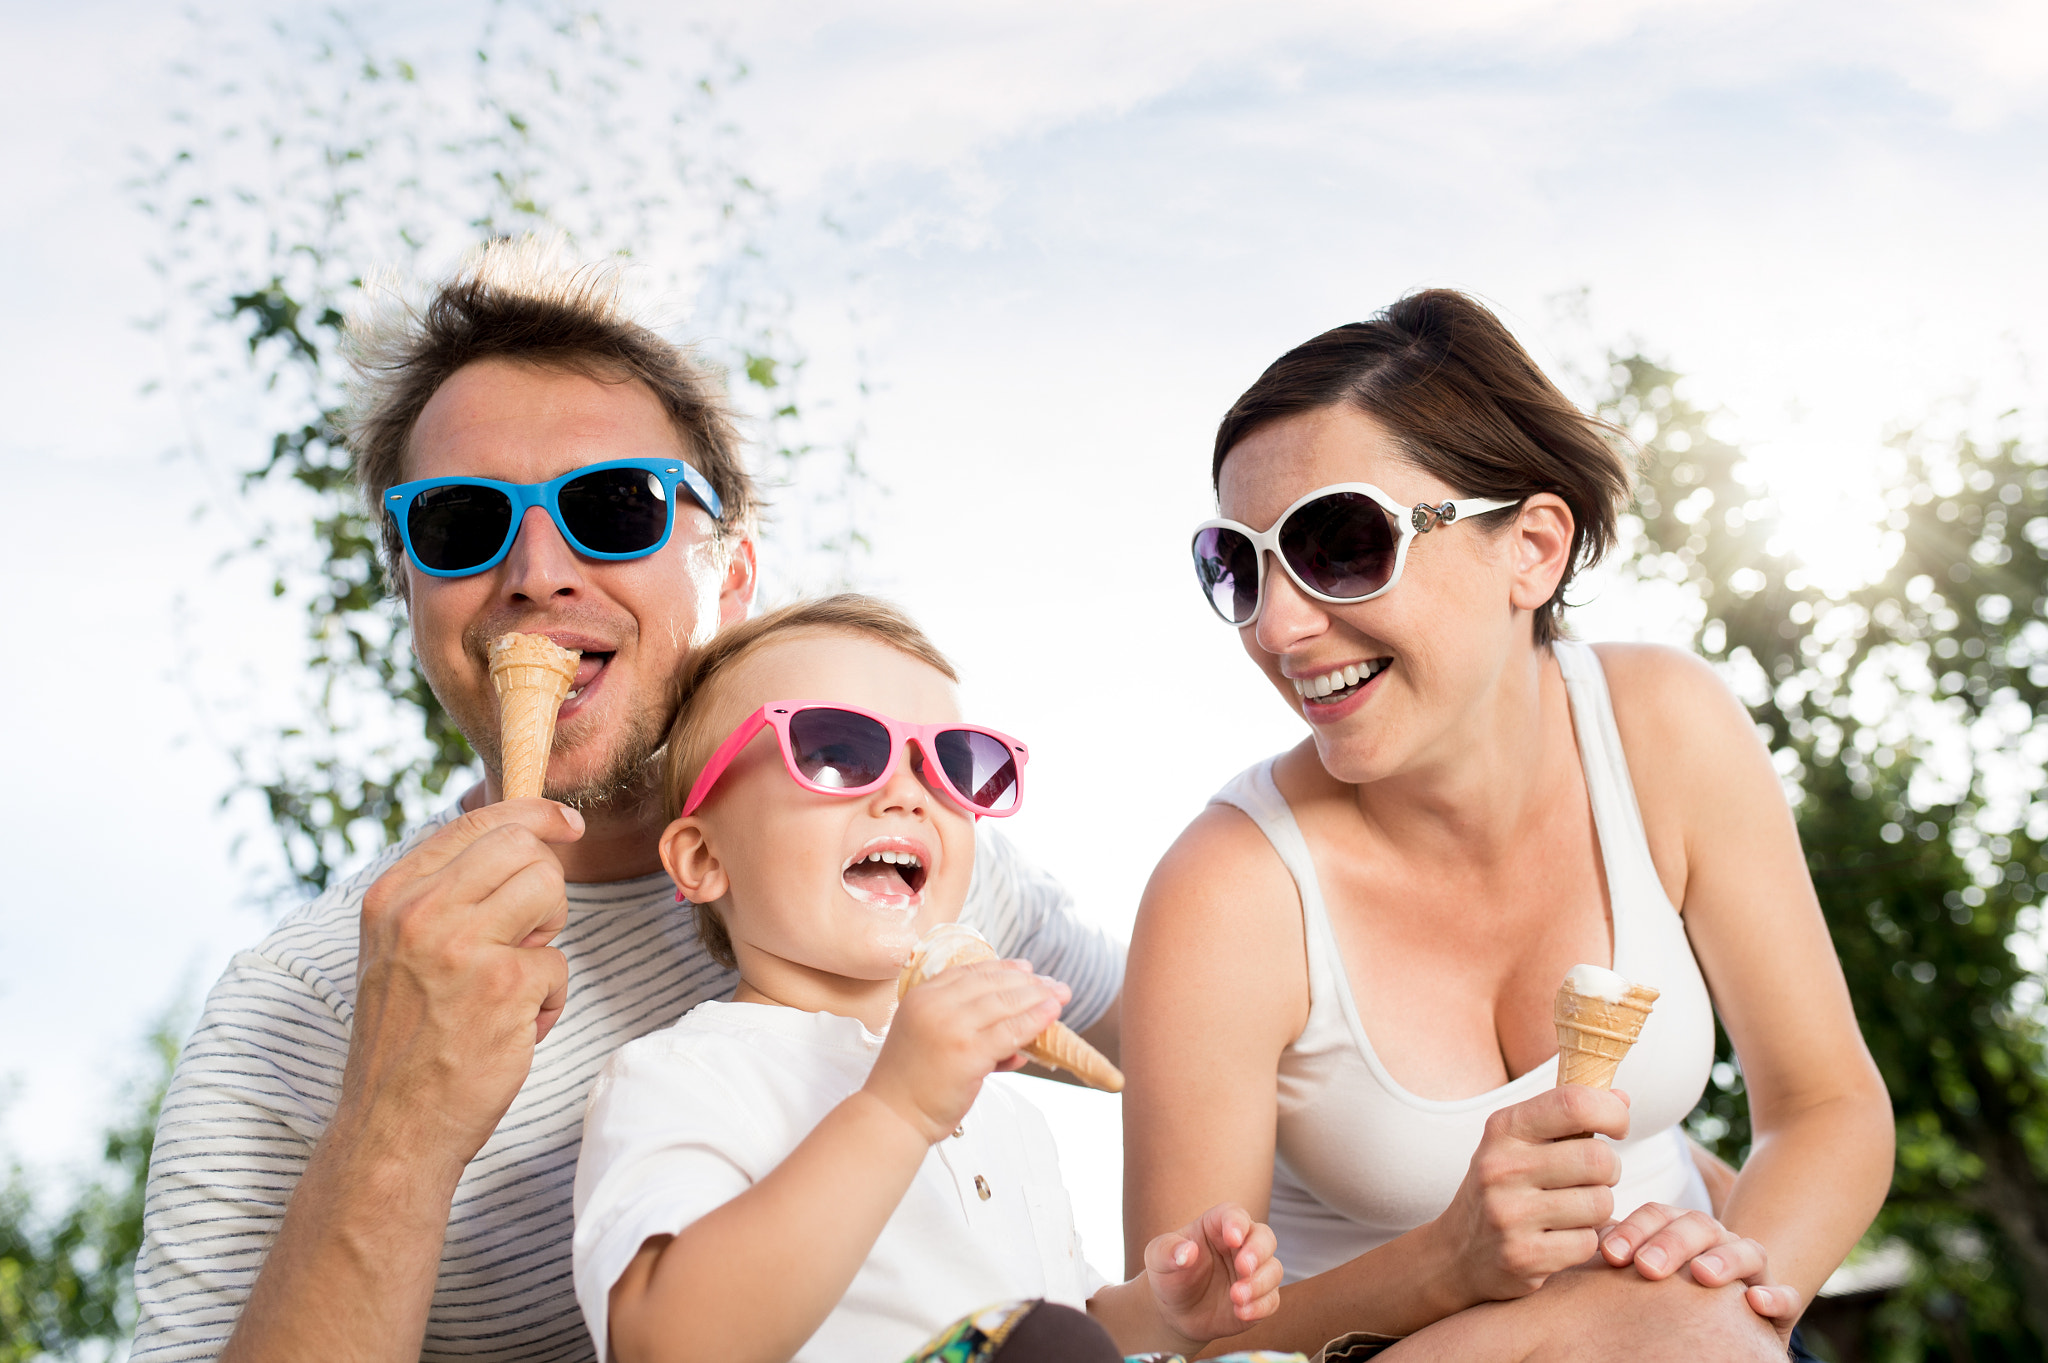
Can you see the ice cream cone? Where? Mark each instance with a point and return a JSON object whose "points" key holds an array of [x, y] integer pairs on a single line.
{"points": [[532, 674], [1596, 1029], [1058, 1047]]}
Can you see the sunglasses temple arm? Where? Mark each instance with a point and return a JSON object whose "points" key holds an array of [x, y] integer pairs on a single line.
{"points": [[720, 760]]}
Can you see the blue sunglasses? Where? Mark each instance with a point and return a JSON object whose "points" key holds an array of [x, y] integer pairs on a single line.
{"points": [[624, 508]]}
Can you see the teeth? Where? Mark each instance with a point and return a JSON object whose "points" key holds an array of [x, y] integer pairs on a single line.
{"points": [[574, 692], [894, 858], [1340, 679]]}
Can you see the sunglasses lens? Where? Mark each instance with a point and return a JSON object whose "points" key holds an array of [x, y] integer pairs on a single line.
{"points": [[457, 527], [979, 767], [838, 748], [615, 511], [1342, 545], [1228, 565]]}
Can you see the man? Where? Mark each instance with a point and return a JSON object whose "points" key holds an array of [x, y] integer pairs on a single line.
{"points": [[368, 1148]]}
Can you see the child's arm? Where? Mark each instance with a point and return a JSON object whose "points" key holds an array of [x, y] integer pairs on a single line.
{"points": [[1207, 1280], [755, 1278]]}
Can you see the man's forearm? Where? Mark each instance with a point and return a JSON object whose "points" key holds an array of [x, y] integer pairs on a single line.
{"points": [[351, 1273]]}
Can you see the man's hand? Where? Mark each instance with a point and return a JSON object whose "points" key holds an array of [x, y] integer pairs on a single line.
{"points": [[458, 983], [1215, 1276], [1659, 1240], [1533, 1199], [952, 1032]]}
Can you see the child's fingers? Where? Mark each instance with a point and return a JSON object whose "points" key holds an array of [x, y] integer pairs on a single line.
{"points": [[1259, 1296], [1257, 1251], [1224, 1226], [1170, 1253]]}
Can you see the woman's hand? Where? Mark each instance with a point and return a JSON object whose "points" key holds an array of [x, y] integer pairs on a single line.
{"points": [[1533, 1199], [1659, 1239], [952, 1032]]}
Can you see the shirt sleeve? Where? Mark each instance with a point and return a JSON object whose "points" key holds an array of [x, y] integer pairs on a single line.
{"points": [[665, 1141], [254, 1087], [1024, 912]]}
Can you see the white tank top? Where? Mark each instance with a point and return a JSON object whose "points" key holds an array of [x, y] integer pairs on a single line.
{"points": [[1358, 1158]]}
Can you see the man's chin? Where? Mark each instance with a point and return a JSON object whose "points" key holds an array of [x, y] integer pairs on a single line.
{"points": [[628, 785]]}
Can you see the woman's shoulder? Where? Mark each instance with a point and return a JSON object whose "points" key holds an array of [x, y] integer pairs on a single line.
{"points": [[1668, 701]]}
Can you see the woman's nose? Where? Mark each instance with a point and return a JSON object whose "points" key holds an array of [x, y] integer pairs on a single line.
{"points": [[541, 566], [1287, 617]]}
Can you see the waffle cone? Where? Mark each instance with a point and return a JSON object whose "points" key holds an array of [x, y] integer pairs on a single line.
{"points": [[1593, 1035], [1058, 1047], [531, 674]]}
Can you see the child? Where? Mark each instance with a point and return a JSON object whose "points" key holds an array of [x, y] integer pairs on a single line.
{"points": [[770, 1178]]}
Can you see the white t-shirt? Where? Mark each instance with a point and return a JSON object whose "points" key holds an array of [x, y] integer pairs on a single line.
{"points": [[685, 1120], [259, 1078]]}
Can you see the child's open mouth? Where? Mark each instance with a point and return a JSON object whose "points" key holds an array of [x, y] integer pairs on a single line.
{"points": [[888, 872]]}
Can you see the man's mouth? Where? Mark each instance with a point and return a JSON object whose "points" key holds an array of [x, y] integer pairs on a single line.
{"points": [[587, 672], [1340, 683], [888, 871]]}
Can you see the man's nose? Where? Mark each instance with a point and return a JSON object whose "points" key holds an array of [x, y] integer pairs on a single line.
{"points": [[541, 565]]}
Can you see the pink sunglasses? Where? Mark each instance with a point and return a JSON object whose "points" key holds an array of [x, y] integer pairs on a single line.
{"points": [[834, 749]]}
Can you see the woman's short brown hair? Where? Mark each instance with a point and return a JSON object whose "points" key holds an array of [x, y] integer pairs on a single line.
{"points": [[1466, 402], [517, 299], [692, 739]]}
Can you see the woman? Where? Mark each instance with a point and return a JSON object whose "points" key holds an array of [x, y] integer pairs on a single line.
{"points": [[1341, 978]]}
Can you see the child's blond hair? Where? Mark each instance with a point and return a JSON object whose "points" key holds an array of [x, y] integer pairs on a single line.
{"points": [[691, 740]]}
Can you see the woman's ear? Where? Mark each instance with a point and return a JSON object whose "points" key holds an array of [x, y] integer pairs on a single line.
{"points": [[1540, 545], [687, 856]]}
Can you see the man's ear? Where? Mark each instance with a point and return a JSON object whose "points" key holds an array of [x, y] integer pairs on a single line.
{"points": [[691, 864], [736, 593], [1540, 545]]}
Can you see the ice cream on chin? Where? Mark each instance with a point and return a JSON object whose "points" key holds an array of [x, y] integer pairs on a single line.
{"points": [[1057, 1047], [532, 675], [1598, 1015]]}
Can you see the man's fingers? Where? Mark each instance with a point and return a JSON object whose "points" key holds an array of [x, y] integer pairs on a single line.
{"points": [[546, 820], [547, 970], [531, 900]]}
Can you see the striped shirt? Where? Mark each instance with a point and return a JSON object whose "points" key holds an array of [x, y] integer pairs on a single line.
{"points": [[259, 1079]]}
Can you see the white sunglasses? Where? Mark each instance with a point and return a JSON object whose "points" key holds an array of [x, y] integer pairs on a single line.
{"points": [[1340, 544]]}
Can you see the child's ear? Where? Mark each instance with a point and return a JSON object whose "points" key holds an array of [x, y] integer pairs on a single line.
{"points": [[691, 864]]}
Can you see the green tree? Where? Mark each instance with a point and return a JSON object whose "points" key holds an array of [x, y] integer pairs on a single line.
{"points": [[316, 153], [67, 1282], [1905, 716]]}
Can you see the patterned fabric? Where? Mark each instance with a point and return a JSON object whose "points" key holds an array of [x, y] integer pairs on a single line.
{"points": [[975, 1338], [979, 1337]]}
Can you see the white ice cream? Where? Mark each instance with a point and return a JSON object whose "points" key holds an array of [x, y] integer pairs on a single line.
{"points": [[1596, 982], [949, 944]]}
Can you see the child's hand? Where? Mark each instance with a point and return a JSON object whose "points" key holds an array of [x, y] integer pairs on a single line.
{"points": [[952, 1031], [1214, 1277]]}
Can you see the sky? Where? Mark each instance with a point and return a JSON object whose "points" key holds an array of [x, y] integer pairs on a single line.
{"points": [[1067, 235]]}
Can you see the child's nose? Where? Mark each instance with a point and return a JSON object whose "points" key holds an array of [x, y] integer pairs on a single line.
{"points": [[906, 790]]}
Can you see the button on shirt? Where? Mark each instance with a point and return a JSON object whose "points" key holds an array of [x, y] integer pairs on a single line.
{"points": [[684, 1120]]}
